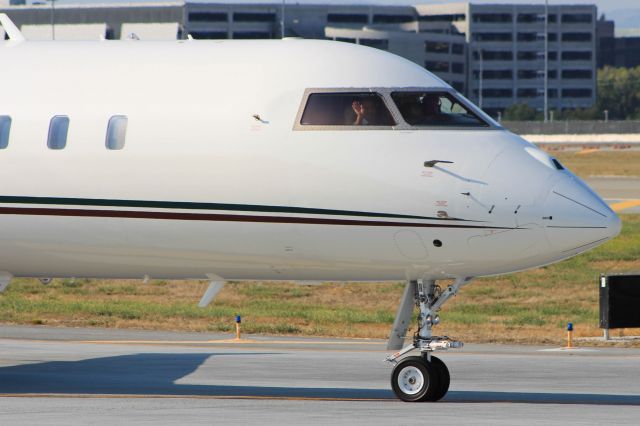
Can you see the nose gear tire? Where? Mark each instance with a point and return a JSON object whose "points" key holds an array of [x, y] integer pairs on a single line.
{"points": [[414, 379]]}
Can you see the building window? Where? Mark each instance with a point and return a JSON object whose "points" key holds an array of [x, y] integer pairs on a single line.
{"points": [[576, 93], [536, 36], [495, 93], [528, 36], [494, 74], [491, 17], [436, 47], [254, 17], [528, 93], [576, 18], [346, 40], [576, 36], [576, 56], [339, 109], [533, 74], [344, 18], [529, 55], [378, 44], [457, 17], [457, 67], [529, 74], [116, 132], [527, 18], [392, 19], [494, 55], [435, 109], [208, 35], [5, 129], [493, 37], [251, 35], [576, 74], [58, 129], [437, 66], [552, 93], [208, 17], [457, 48]]}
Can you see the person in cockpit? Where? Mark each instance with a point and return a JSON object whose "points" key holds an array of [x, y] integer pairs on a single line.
{"points": [[365, 112]]}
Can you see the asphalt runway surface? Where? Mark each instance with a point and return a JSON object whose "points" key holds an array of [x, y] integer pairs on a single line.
{"points": [[94, 376], [621, 193]]}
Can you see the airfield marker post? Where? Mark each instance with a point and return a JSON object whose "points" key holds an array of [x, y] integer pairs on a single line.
{"points": [[570, 335], [238, 322]]}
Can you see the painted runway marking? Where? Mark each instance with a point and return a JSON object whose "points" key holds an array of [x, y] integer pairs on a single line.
{"points": [[624, 205]]}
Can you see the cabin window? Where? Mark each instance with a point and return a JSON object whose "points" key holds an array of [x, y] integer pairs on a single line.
{"points": [[435, 109], [5, 128], [346, 109], [116, 132], [58, 129]]}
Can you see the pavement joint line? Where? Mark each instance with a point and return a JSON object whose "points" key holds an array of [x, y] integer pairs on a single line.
{"points": [[625, 205], [139, 396], [223, 341]]}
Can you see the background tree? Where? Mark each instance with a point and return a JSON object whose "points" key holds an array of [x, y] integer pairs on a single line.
{"points": [[619, 93], [519, 112]]}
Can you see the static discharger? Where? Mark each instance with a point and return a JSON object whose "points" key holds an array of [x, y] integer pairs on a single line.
{"points": [[238, 322], [570, 335]]}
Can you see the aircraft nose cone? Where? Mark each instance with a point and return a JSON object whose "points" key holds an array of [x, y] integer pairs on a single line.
{"points": [[577, 219]]}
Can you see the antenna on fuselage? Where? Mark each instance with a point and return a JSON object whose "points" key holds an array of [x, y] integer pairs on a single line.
{"points": [[10, 28]]}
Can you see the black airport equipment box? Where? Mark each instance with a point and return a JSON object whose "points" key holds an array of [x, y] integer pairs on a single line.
{"points": [[619, 301]]}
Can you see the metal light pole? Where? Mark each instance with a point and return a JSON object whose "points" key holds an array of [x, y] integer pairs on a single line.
{"points": [[480, 80], [546, 60], [282, 20], [53, 19]]}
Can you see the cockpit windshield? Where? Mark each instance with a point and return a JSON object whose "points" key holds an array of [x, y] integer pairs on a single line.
{"points": [[346, 109], [436, 109]]}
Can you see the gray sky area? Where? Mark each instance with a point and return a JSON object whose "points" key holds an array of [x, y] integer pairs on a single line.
{"points": [[626, 13]]}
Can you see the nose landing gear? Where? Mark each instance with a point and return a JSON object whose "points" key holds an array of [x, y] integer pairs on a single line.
{"points": [[425, 377]]}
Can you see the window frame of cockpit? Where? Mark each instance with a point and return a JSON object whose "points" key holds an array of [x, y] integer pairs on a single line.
{"points": [[401, 124]]}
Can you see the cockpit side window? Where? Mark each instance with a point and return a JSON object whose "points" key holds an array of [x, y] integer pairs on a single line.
{"points": [[435, 109], [346, 109]]}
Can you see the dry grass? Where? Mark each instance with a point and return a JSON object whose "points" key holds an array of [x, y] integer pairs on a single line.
{"points": [[601, 163]]}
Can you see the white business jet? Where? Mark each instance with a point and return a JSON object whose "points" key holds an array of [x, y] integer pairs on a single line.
{"points": [[273, 160]]}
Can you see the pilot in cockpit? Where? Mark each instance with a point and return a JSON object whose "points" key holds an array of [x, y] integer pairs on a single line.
{"points": [[365, 111]]}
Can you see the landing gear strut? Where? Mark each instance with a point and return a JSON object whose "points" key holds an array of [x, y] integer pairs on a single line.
{"points": [[425, 377]]}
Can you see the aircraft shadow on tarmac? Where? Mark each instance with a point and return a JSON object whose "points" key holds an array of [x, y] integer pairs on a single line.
{"points": [[157, 373]]}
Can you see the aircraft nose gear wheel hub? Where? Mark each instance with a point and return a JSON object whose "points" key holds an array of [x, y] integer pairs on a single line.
{"points": [[410, 380], [425, 377]]}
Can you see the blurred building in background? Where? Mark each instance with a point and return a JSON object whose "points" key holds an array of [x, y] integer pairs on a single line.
{"points": [[499, 47]]}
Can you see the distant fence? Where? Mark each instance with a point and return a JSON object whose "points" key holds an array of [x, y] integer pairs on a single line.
{"points": [[573, 127]]}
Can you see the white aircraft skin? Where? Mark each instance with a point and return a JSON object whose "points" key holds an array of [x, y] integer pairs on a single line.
{"points": [[203, 189], [220, 179]]}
